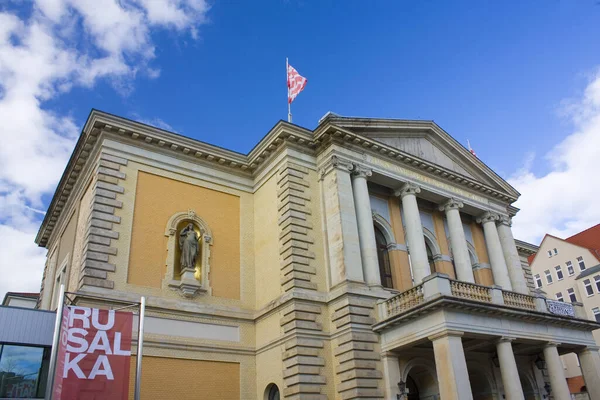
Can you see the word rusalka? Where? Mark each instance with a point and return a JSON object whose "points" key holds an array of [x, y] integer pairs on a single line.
{"points": [[95, 338]]}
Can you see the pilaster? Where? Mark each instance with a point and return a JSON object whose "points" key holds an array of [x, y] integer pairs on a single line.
{"points": [[295, 228], [92, 253]]}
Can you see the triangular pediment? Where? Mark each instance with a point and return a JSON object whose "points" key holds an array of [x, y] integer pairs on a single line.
{"points": [[427, 141]]}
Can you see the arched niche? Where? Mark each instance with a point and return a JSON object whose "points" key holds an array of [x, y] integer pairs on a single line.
{"points": [[187, 282]]}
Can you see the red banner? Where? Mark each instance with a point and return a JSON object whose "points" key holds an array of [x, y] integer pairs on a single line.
{"points": [[94, 355]]}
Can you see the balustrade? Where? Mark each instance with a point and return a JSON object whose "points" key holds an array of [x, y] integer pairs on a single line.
{"points": [[471, 291], [404, 301], [518, 300]]}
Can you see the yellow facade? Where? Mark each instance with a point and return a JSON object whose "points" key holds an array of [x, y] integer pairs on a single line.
{"points": [[271, 310], [174, 378], [158, 198]]}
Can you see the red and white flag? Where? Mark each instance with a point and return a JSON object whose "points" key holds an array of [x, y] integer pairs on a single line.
{"points": [[470, 149], [295, 82]]}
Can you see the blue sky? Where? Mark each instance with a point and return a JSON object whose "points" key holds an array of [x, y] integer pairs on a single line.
{"points": [[493, 72], [520, 79]]}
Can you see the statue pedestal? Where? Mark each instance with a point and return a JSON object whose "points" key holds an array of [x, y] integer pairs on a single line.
{"points": [[189, 285]]}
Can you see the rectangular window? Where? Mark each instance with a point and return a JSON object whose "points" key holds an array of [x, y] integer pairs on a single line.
{"points": [[597, 280], [538, 281], [581, 263], [570, 268], [559, 296], [588, 287], [596, 312], [548, 276], [559, 274], [572, 296], [23, 370], [555, 251], [549, 253], [59, 279]]}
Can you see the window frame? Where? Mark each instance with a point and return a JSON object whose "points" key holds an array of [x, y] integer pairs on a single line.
{"points": [[572, 295], [570, 268], [59, 279], [549, 278], [596, 312], [559, 297], [538, 281], [597, 282], [588, 287], [581, 263], [555, 251], [559, 274]]}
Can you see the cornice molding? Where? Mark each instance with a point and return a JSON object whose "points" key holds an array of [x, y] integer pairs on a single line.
{"points": [[325, 134], [282, 134]]}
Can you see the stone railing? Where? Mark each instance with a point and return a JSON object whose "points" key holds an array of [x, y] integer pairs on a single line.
{"points": [[440, 285], [471, 291], [403, 301], [519, 300]]}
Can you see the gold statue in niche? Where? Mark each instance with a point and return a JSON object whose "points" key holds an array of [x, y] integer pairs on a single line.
{"points": [[189, 247]]}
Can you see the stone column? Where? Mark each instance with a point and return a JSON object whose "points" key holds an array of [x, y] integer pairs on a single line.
{"points": [[508, 369], [451, 366], [366, 233], [460, 253], [391, 375], [511, 256], [343, 247], [589, 360], [558, 382], [414, 231], [492, 243]]}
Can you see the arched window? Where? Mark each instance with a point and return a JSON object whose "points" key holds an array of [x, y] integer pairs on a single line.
{"points": [[430, 258], [272, 392], [385, 270]]}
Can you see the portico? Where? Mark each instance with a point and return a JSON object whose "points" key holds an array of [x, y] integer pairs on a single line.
{"points": [[465, 325]]}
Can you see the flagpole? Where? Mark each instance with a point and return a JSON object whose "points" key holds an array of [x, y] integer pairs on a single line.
{"points": [[287, 83]]}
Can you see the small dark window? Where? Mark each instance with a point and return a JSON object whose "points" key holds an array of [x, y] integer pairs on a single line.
{"points": [[273, 393], [383, 256]]}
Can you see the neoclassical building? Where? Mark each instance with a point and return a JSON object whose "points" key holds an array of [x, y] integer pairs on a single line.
{"points": [[368, 258]]}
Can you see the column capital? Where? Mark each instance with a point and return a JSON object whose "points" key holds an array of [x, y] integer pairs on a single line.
{"points": [[487, 216], [451, 204], [552, 344], [505, 220], [361, 171], [334, 162], [505, 339], [407, 189], [588, 348], [448, 332]]}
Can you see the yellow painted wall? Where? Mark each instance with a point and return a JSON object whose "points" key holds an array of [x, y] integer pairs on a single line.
{"points": [[399, 259], [445, 267], [479, 243], [156, 200], [173, 378], [266, 242], [484, 276]]}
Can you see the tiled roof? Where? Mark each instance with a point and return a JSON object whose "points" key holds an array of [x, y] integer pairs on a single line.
{"points": [[589, 239]]}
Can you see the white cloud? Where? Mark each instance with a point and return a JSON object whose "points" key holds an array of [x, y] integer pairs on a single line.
{"points": [[564, 201], [46, 50]]}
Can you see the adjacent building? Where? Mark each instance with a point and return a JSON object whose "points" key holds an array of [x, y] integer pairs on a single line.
{"points": [[568, 270], [367, 258], [21, 299]]}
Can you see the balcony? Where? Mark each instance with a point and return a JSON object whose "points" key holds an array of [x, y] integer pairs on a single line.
{"points": [[438, 290]]}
